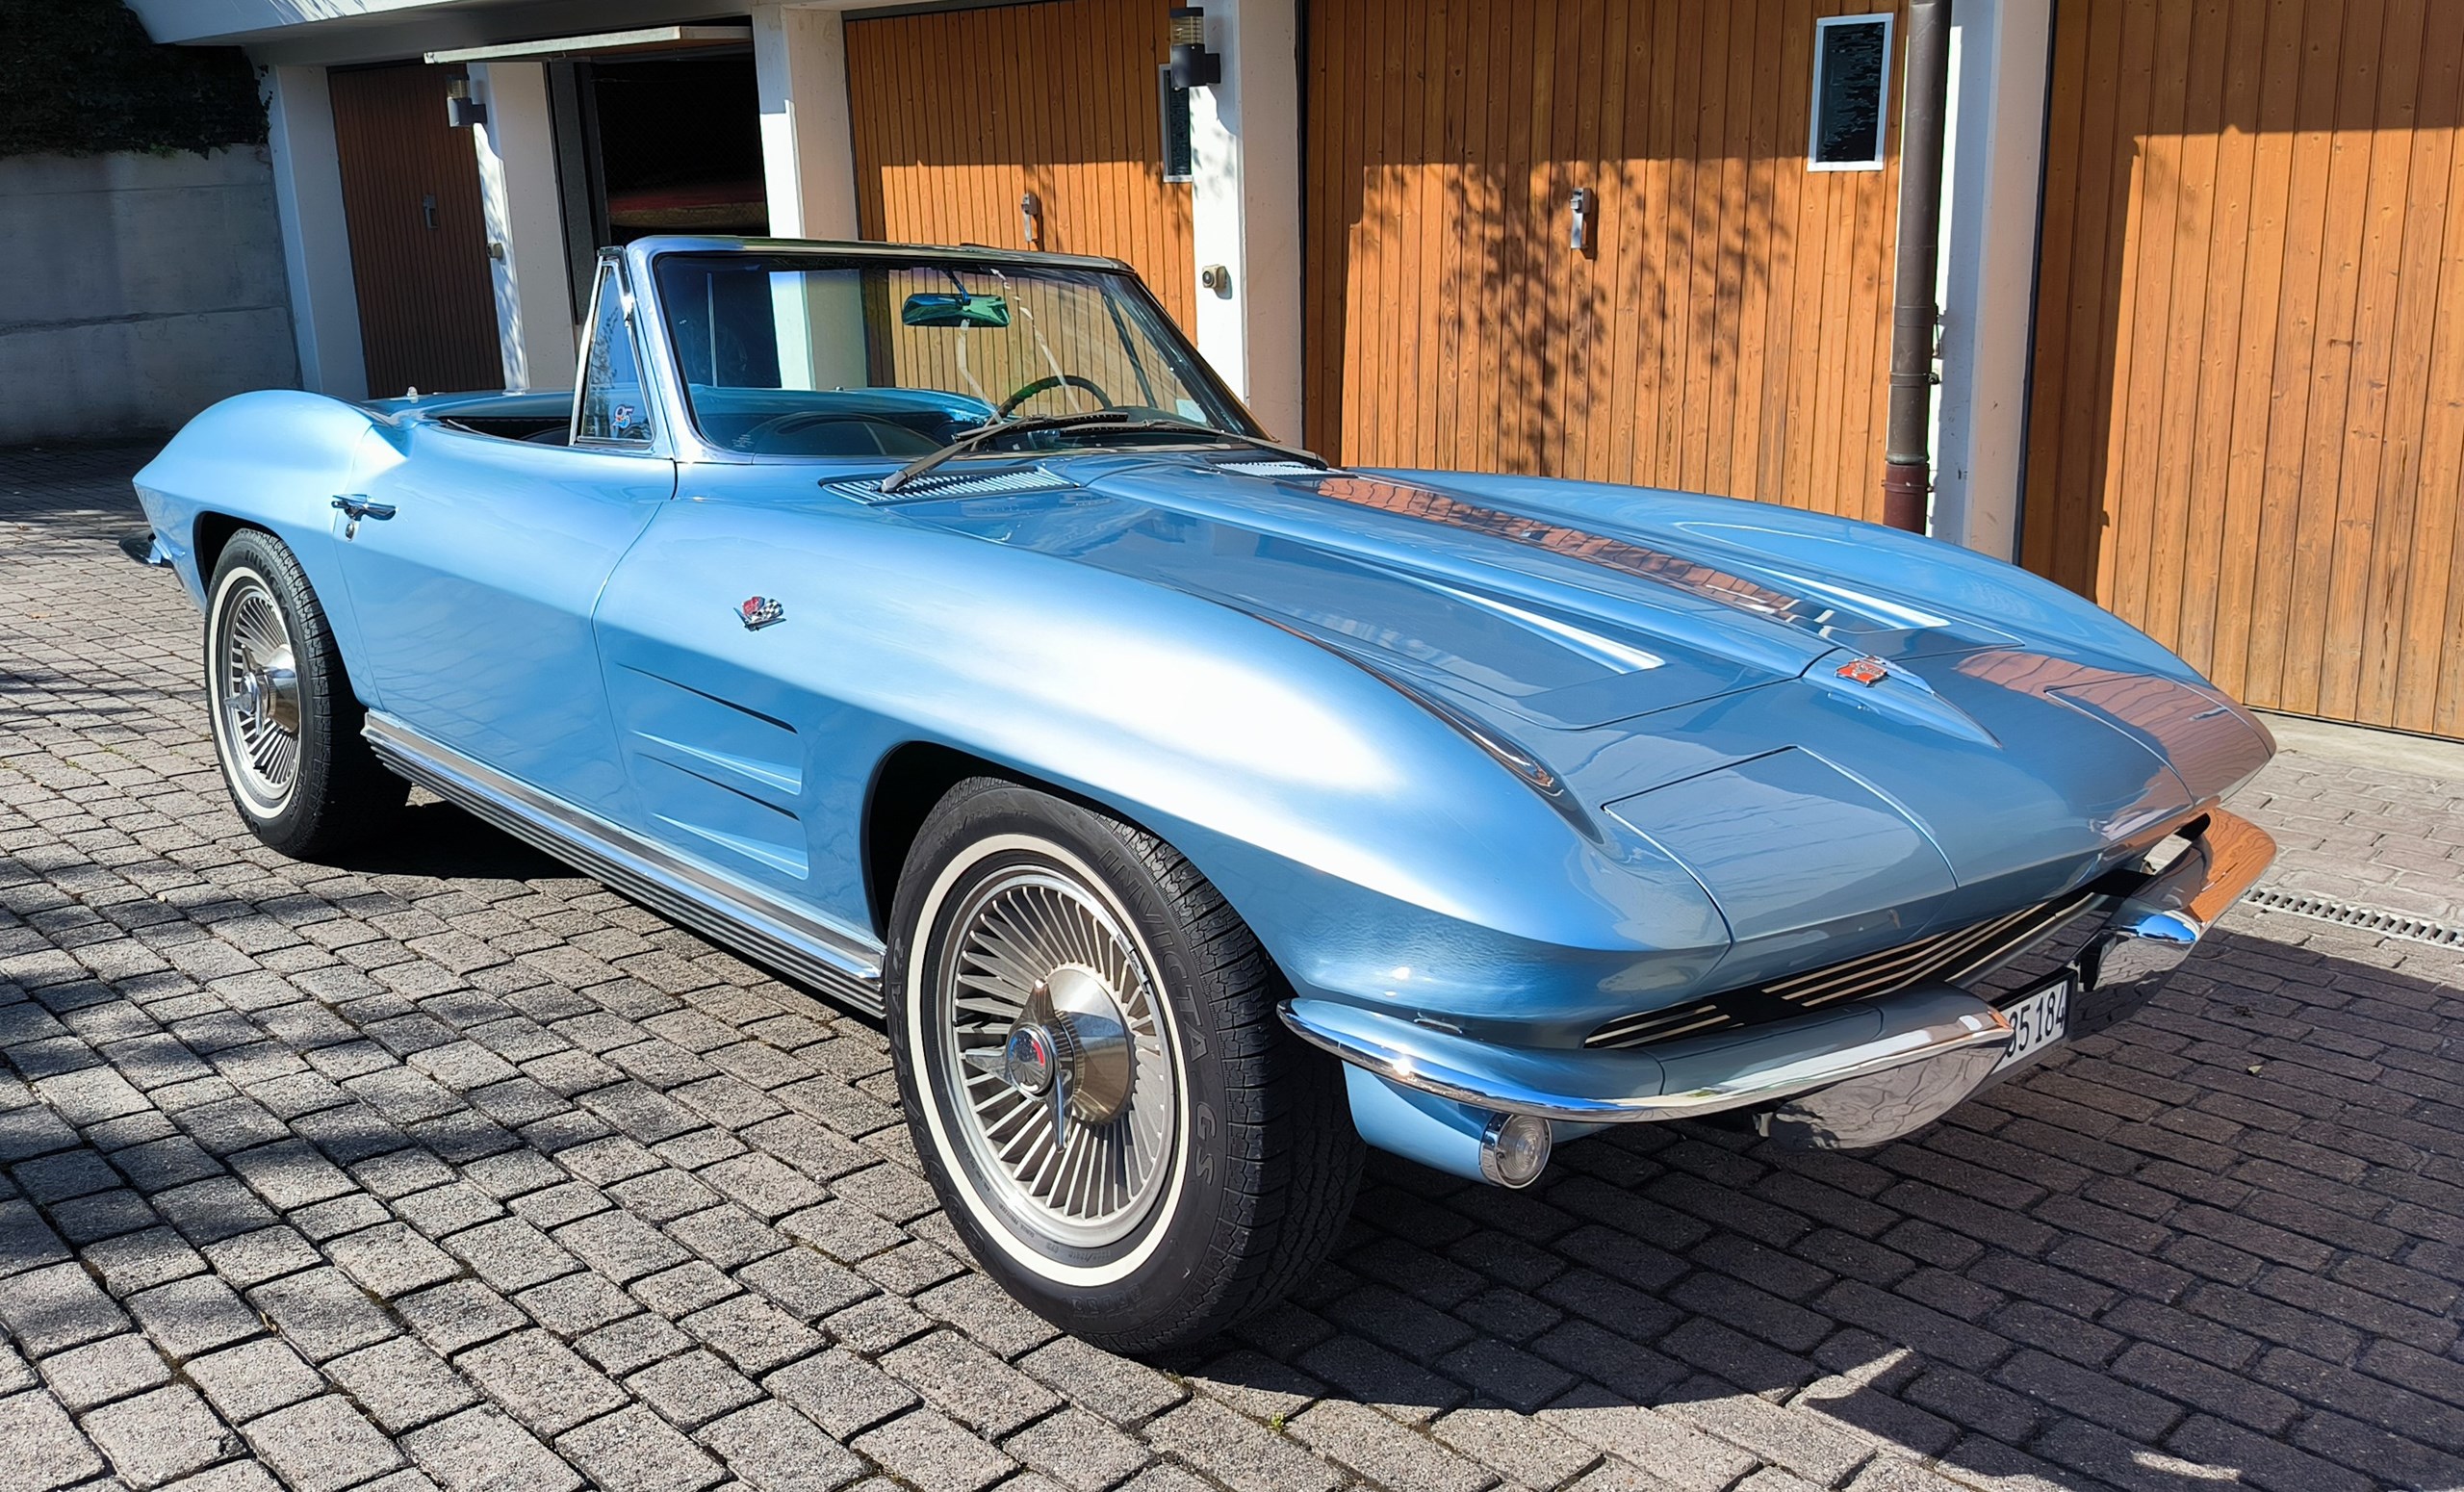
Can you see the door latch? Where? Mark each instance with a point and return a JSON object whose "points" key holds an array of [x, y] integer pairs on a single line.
{"points": [[356, 507]]}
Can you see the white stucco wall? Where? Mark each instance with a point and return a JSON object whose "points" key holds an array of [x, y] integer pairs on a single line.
{"points": [[139, 289]]}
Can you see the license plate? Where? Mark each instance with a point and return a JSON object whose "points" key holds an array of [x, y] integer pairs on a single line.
{"points": [[2038, 1019]]}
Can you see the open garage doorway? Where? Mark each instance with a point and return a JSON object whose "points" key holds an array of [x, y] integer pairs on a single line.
{"points": [[656, 144]]}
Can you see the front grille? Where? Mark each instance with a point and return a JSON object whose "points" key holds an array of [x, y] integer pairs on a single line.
{"points": [[1959, 956]]}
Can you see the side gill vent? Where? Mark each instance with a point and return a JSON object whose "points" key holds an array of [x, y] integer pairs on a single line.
{"points": [[2386, 924], [962, 484]]}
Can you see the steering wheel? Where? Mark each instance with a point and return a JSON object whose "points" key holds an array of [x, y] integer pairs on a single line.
{"points": [[1047, 382], [775, 425]]}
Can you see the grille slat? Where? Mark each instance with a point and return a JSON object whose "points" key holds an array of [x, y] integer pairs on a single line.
{"points": [[1951, 956]]}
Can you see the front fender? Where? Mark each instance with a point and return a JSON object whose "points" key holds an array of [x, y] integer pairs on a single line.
{"points": [[1381, 855], [274, 459]]}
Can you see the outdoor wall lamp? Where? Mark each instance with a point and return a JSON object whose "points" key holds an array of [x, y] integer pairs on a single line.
{"points": [[461, 110], [1031, 219], [1581, 208], [1193, 64]]}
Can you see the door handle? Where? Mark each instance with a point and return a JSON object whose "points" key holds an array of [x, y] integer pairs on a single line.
{"points": [[356, 507]]}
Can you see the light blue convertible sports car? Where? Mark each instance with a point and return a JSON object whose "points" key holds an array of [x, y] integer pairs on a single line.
{"points": [[931, 626]]}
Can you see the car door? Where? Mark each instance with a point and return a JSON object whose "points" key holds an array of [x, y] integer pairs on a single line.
{"points": [[474, 564]]}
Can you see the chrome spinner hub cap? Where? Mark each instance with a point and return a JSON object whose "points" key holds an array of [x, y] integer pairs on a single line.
{"points": [[1066, 1089], [256, 693]]}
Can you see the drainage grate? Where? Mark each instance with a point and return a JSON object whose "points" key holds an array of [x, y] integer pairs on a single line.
{"points": [[2387, 924]]}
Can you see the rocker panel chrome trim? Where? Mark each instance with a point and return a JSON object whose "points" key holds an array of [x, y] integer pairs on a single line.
{"points": [[761, 927]]}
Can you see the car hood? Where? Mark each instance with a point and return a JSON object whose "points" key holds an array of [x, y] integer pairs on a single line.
{"points": [[1675, 661]]}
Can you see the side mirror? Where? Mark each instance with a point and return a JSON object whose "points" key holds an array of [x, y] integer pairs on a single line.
{"points": [[936, 308]]}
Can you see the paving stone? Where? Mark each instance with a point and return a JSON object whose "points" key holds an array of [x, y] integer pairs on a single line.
{"points": [[752, 1333], [391, 1259], [969, 1383], [510, 1254], [157, 1438], [99, 1372], [841, 1392], [1241, 1455], [194, 1315], [633, 1342], [635, 1451], [540, 1381], [323, 1444], [45, 1451], [252, 1258], [806, 1283], [230, 1477], [48, 1310], [482, 1451], [458, 1314], [401, 1385], [771, 1448], [620, 1246], [321, 1313], [1121, 1391], [253, 1378], [928, 1451], [692, 1389], [1078, 1451]]}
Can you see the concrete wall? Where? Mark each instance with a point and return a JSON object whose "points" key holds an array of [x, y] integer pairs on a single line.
{"points": [[136, 290]]}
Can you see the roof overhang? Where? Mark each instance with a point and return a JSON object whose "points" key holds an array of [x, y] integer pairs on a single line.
{"points": [[653, 39]]}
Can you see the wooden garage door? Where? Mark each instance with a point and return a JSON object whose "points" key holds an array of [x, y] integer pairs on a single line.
{"points": [[1728, 332], [419, 239], [959, 112], [2247, 425]]}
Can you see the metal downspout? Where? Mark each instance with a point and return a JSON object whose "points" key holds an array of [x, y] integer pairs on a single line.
{"points": [[1908, 474]]}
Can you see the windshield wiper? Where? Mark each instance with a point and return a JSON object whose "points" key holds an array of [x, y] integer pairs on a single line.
{"points": [[1111, 422], [984, 433]]}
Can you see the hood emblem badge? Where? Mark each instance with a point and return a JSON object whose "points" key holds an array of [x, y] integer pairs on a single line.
{"points": [[1868, 671], [756, 612]]}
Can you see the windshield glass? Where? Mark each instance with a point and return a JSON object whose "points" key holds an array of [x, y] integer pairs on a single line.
{"points": [[811, 355]]}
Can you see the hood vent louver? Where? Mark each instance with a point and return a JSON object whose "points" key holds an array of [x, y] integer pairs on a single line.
{"points": [[960, 485], [1274, 468]]}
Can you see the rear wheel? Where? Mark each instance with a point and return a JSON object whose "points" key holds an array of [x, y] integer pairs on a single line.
{"points": [[286, 725], [1095, 1076]]}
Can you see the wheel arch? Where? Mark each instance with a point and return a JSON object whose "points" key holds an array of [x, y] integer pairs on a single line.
{"points": [[212, 533], [909, 781]]}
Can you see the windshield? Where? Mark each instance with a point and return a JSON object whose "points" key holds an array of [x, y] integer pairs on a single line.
{"points": [[815, 355]]}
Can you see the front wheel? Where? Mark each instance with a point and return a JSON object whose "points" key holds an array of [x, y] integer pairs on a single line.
{"points": [[285, 724], [1115, 1119]]}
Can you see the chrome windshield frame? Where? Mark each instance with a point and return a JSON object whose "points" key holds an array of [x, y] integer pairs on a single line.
{"points": [[662, 370]]}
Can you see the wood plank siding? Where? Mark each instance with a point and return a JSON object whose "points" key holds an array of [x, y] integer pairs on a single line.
{"points": [[1727, 332], [419, 239], [2247, 430], [959, 112]]}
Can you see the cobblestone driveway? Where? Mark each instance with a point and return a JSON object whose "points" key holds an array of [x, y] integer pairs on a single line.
{"points": [[450, 1167]]}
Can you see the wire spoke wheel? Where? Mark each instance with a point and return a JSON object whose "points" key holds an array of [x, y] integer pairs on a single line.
{"points": [[254, 681], [1054, 1050]]}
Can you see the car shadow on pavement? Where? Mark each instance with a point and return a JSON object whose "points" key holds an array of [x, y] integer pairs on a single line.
{"points": [[437, 840], [2221, 1239]]}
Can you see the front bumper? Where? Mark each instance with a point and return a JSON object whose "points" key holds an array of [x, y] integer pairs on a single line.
{"points": [[1858, 1076]]}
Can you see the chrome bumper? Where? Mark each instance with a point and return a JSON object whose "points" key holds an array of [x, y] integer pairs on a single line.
{"points": [[1855, 1077]]}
